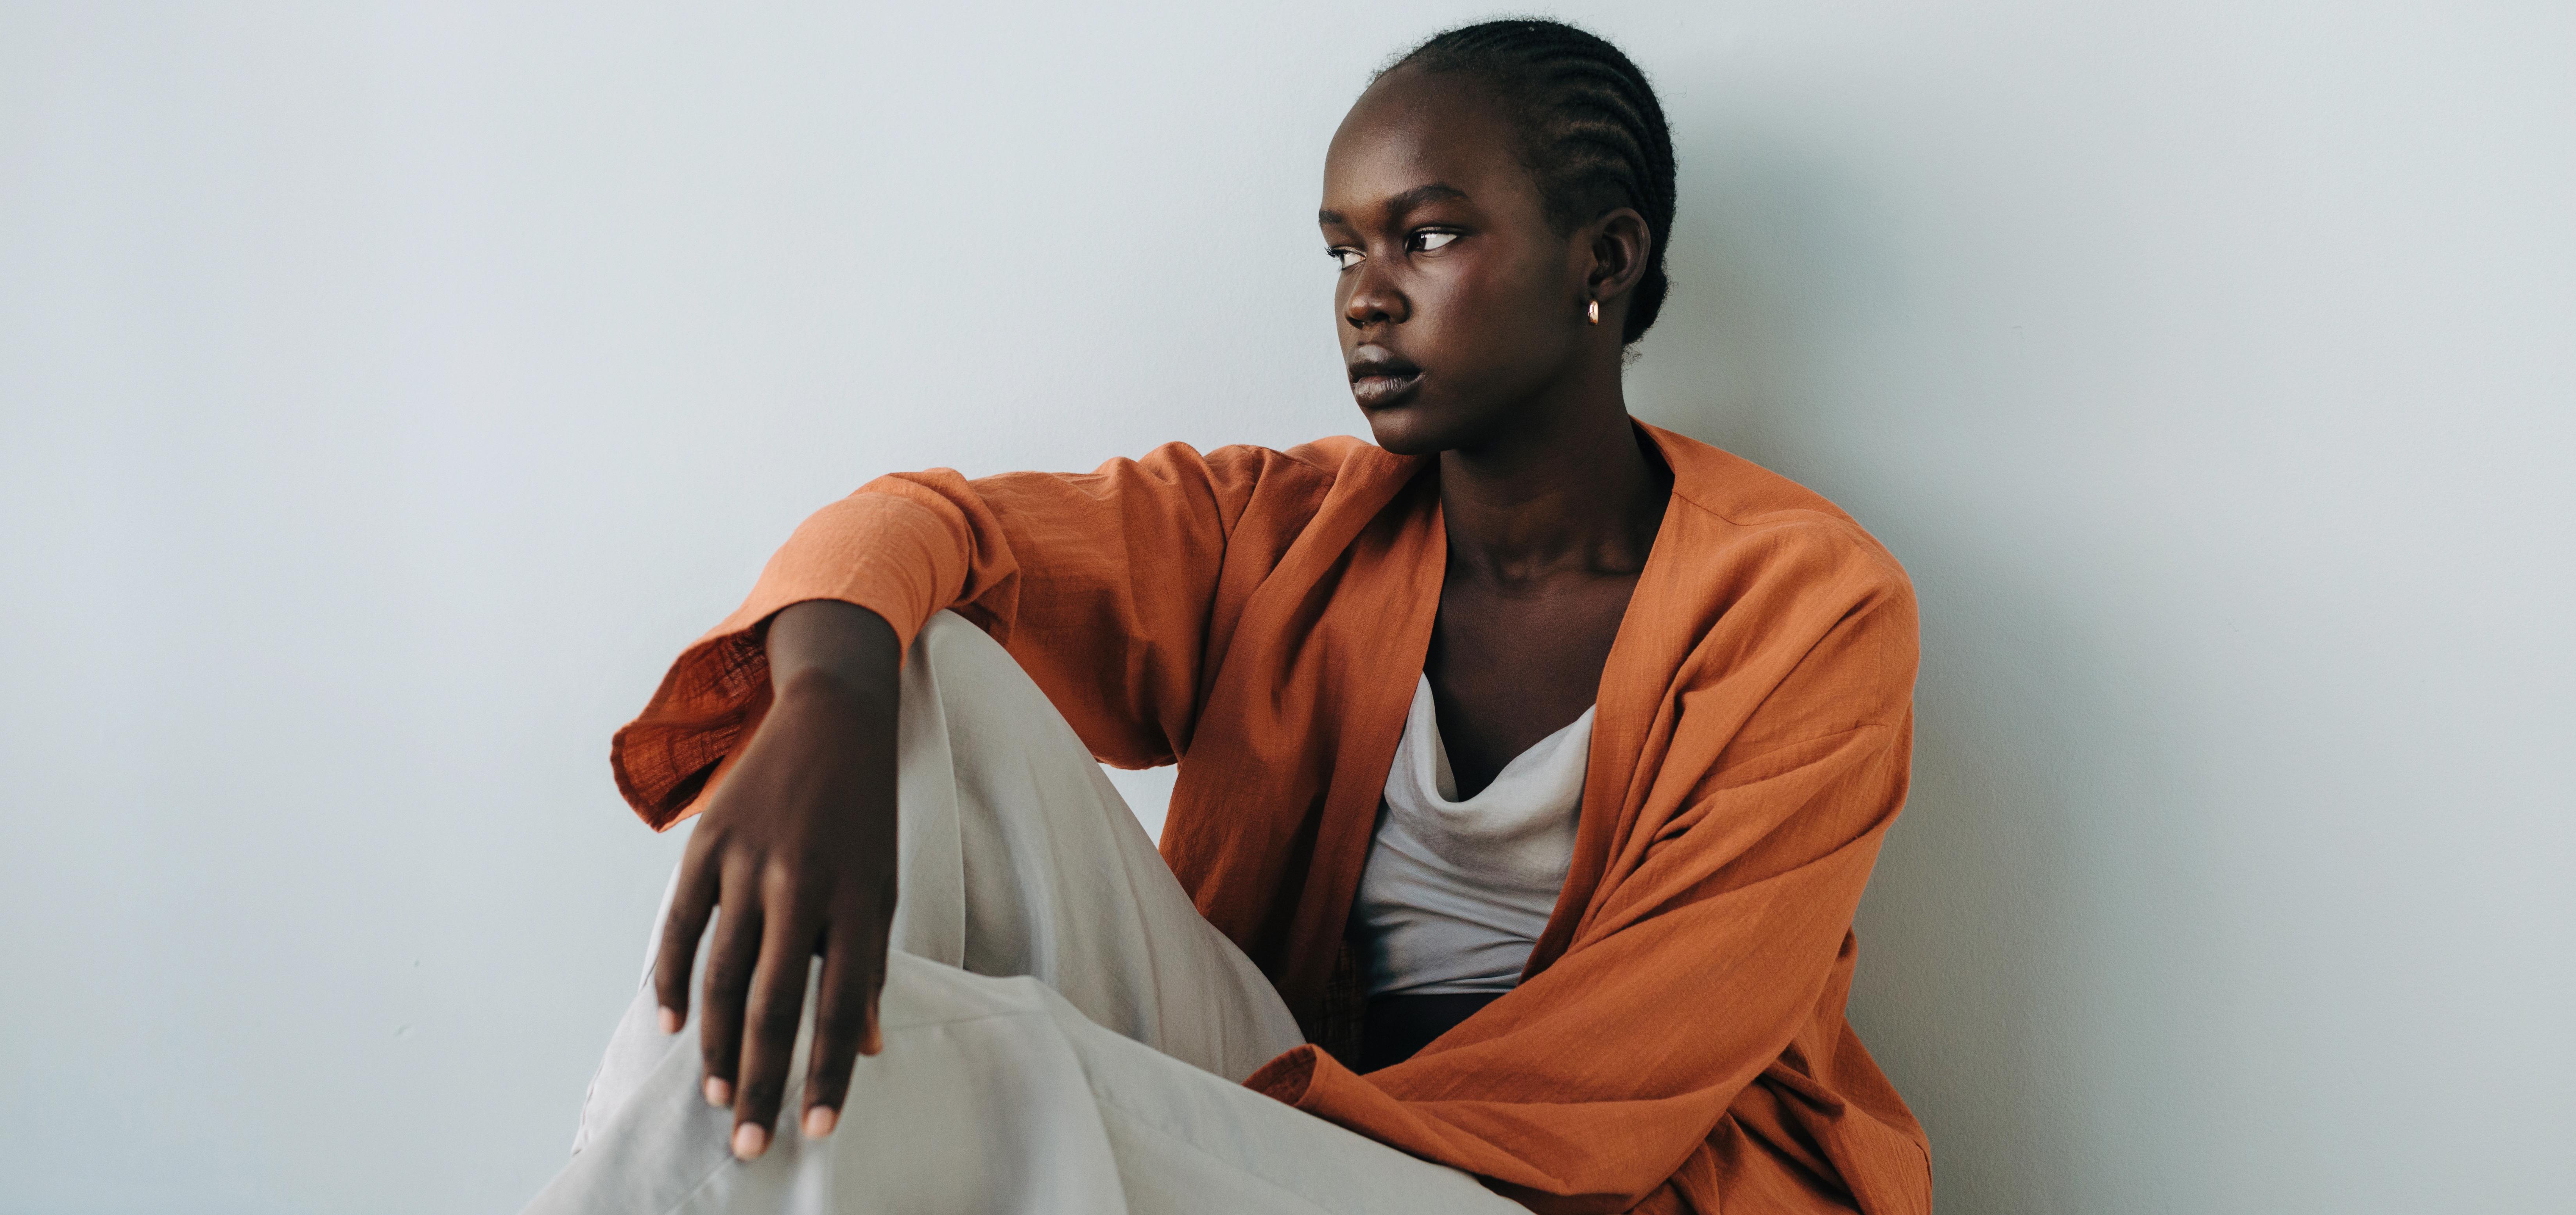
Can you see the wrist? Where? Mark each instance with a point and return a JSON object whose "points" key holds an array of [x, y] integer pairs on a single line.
{"points": [[835, 690], [829, 649]]}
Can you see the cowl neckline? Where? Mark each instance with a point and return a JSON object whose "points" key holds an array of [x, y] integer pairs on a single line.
{"points": [[1436, 784]]}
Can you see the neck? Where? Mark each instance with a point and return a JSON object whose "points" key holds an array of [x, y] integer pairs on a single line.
{"points": [[1565, 491]]}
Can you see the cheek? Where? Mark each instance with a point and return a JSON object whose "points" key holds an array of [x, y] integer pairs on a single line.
{"points": [[1490, 320]]}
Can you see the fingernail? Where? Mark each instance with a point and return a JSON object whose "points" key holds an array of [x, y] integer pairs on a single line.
{"points": [[874, 1042], [719, 1092], [750, 1140], [670, 1022], [820, 1120]]}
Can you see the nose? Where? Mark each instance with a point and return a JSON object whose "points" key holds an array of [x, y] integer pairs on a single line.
{"points": [[1373, 300]]}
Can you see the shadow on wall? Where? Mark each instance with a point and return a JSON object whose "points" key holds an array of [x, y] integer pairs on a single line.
{"points": [[2000, 985]]}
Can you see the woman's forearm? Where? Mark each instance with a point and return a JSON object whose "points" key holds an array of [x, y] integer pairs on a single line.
{"points": [[825, 646]]}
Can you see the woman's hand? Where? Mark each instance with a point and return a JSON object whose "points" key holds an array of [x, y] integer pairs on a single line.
{"points": [[797, 847]]}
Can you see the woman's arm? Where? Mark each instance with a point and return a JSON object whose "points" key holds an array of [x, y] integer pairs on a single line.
{"points": [[778, 727], [1109, 587], [797, 847]]}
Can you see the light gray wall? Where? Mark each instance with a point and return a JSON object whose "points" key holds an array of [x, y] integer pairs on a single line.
{"points": [[390, 390]]}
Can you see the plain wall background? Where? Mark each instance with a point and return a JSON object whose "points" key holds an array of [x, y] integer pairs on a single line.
{"points": [[391, 390]]}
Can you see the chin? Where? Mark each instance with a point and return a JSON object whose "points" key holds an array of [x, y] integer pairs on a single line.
{"points": [[1417, 428], [1401, 431], [1402, 440]]}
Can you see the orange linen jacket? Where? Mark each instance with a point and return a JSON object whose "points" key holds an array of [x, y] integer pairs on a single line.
{"points": [[1678, 1041]]}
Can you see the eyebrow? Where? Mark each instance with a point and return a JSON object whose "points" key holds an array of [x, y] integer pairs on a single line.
{"points": [[1401, 203]]}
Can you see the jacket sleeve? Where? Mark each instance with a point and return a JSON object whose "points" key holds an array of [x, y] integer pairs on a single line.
{"points": [[1705, 953], [1099, 583]]}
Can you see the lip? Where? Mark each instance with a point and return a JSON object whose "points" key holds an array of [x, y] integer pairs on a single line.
{"points": [[1380, 377]]}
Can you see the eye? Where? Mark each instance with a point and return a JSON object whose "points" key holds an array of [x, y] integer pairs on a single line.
{"points": [[1428, 240], [1344, 256]]}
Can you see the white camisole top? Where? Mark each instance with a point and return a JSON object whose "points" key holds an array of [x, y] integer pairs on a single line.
{"points": [[1456, 893]]}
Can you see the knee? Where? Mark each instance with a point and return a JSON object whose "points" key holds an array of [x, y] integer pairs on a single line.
{"points": [[959, 672], [948, 641], [971, 671]]}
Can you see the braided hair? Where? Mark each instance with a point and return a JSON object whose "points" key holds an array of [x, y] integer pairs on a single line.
{"points": [[1590, 129]]}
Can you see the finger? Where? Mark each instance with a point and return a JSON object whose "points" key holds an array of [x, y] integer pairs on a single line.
{"points": [[878, 944], [845, 1018], [730, 965], [771, 1015], [692, 900]]}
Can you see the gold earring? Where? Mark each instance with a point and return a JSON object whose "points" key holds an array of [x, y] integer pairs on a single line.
{"points": [[1593, 309]]}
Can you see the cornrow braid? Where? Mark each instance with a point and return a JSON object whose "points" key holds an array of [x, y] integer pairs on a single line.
{"points": [[1590, 129]]}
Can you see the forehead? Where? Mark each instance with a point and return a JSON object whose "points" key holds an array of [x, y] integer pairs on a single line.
{"points": [[1413, 127]]}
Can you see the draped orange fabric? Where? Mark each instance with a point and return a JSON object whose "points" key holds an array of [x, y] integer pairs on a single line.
{"points": [[1678, 1041]]}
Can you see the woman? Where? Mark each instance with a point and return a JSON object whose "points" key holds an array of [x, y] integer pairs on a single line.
{"points": [[1531, 764]]}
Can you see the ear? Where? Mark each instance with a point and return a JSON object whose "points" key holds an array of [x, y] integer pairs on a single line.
{"points": [[1620, 244]]}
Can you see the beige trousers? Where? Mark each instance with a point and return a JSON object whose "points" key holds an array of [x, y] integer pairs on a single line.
{"points": [[1064, 1034]]}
